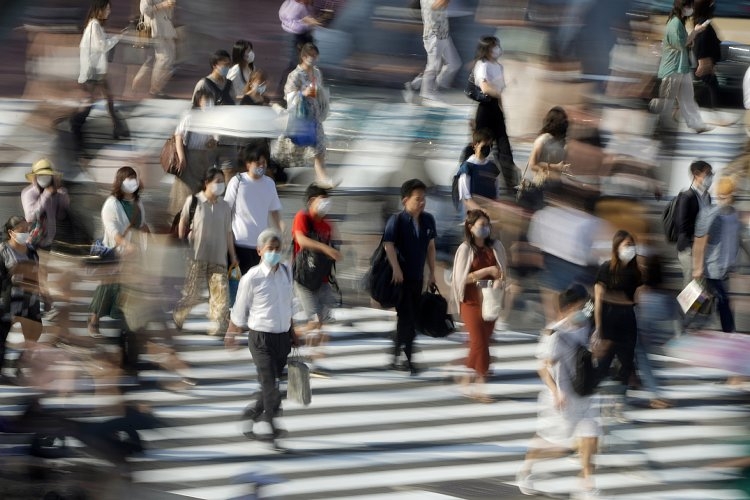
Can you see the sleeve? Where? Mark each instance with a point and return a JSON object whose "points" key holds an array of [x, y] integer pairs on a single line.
{"points": [[299, 224], [703, 223], [675, 37], [685, 217], [110, 221], [185, 212], [232, 190], [746, 89], [142, 208], [389, 233], [34, 202], [291, 15], [99, 39], [243, 303], [480, 72], [431, 225], [544, 347], [275, 201], [499, 80], [292, 89], [464, 193], [700, 45]]}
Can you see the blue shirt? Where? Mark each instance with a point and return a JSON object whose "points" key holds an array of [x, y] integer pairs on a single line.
{"points": [[410, 246], [723, 230]]}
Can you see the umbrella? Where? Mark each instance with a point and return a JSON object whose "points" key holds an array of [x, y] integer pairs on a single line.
{"points": [[238, 121]]}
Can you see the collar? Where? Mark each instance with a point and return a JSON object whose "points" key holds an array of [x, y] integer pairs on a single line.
{"points": [[267, 270], [202, 197], [476, 161]]}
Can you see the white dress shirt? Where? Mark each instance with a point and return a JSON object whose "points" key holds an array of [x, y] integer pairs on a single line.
{"points": [[264, 299]]}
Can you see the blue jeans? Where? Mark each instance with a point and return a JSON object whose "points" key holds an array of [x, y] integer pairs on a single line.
{"points": [[720, 291]]}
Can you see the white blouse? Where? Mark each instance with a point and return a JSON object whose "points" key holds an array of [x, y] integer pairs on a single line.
{"points": [[95, 44], [491, 72]]}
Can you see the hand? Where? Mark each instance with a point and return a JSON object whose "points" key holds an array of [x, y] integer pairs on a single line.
{"points": [[51, 189], [333, 253], [310, 21], [559, 400], [440, 4], [230, 341], [697, 274], [699, 28], [181, 164], [431, 280], [308, 91], [398, 276], [294, 338]]}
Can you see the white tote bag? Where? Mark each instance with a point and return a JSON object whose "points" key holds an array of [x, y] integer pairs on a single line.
{"points": [[492, 299]]}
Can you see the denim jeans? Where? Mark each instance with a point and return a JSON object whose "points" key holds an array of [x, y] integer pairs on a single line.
{"points": [[720, 290]]}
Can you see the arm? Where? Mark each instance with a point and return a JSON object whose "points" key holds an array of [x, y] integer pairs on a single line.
{"points": [[276, 219], [182, 229], [540, 166], [546, 376], [464, 193], [599, 289], [240, 311], [35, 203], [100, 41], [699, 253], [232, 251], [310, 244], [179, 146], [390, 252]]}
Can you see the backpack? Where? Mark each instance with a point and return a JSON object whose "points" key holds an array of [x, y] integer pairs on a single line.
{"points": [[377, 280], [311, 268], [583, 378], [462, 169], [174, 231], [671, 231]]}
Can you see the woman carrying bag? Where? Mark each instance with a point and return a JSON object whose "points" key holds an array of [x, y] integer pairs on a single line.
{"points": [[479, 258], [206, 222]]}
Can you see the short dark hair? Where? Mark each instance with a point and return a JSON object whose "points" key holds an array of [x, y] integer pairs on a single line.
{"points": [[308, 49], [11, 224], [210, 175], [408, 187], [218, 56], [201, 93], [313, 191], [239, 49], [254, 151], [699, 166], [573, 294], [482, 135], [555, 123]]}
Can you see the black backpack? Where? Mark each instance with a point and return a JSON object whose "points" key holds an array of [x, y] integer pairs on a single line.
{"points": [[671, 231], [583, 378], [174, 231], [464, 168], [311, 268]]}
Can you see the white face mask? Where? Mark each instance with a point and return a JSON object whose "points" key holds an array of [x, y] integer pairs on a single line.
{"points": [[217, 188], [497, 52], [223, 71], [324, 205], [130, 185], [250, 56], [21, 238], [44, 180], [687, 11], [259, 171], [481, 231], [626, 254]]}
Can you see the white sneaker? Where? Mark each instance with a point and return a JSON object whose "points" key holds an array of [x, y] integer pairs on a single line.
{"points": [[408, 93], [523, 481]]}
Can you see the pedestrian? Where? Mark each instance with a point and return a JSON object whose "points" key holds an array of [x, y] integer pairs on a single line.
{"points": [[690, 202], [254, 93], [477, 178], [94, 49], [489, 76], [443, 61], [209, 231], [409, 242], [196, 153], [312, 231], [19, 291], [479, 257], [216, 83], [707, 49], [614, 308], [124, 221], [718, 238], [158, 16], [306, 82], [298, 22], [566, 421], [243, 64], [547, 158], [44, 201], [253, 198], [264, 307], [674, 70]]}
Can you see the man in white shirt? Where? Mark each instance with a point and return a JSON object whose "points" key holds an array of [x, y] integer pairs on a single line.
{"points": [[253, 198], [264, 307]]}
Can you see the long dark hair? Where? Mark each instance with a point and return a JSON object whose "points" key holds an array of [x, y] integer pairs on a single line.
{"points": [[555, 123], [485, 46], [95, 10], [238, 52], [472, 216], [703, 10], [677, 7], [122, 174], [615, 266]]}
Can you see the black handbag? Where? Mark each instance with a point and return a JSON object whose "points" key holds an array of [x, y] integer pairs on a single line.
{"points": [[433, 319], [311, 268], [474, 92]]}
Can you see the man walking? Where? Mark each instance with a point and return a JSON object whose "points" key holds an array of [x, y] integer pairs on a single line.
{"points": [[691, 201]]}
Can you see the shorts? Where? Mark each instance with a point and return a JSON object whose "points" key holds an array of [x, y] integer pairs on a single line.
{"points": [[559, 274], [316, 304]]}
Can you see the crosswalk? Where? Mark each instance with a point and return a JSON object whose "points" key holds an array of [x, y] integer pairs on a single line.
{"points": [[372, 434]]}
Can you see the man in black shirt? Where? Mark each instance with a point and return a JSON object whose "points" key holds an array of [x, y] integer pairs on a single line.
{"points": [[689, 204]]}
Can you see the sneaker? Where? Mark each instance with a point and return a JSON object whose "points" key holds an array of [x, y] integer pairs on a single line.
{"points": [[655, 106], [408, 93], [703, 129], [523, 481]]}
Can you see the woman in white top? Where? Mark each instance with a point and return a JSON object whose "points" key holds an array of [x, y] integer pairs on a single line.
{"points": [[94, 48], [124, 221], [490, 78], [547, 158], [243, 64]]}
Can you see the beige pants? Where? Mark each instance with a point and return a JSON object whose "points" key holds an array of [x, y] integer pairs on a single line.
{"points": [[162, 62], [677, 88], [215, 276]]}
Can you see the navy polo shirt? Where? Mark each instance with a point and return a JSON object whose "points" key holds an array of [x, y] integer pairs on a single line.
{"points": [[410, 246]]}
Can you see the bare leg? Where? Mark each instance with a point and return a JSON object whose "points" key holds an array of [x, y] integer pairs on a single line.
{"points": [[320, 168]]}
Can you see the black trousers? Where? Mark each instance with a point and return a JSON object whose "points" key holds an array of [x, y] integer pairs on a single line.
{"points": [[248, 257], [5, 327], [270, 352], [407, 310], [618, 326], [490, 116]]}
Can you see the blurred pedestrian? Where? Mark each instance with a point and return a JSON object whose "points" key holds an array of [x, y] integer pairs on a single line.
{"points": [[707, 49], [243, 64], [489, 76], [206, 221], [306, 82], [614, 308], [312, 231], [19, 290], [94, 49], [566, 421], [124, 221], [477, 178], [298, 22], [718, 238], [547, 158], [216, 83], [409, 242], [690, 202], [253, 198], [254, 93], [264, 307], [158, 15], [44, 201], [443, 61], [196, 152], [674, 70], [479, 257]]}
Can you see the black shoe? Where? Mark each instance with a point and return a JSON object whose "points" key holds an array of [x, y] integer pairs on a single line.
{"points": [[399, 367], [250, 414], [413, 370], [270, 438]]}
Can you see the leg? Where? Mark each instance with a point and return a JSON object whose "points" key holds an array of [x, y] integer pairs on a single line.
{"points": [[164, 57], [688, 107], [191, 291], [685, 258], [5, 327], [320, 167], [587, 448], [147, 66], [266, 375], [429, 77], [248, 257], [719, 288], [412, 291], [451, 63], [505, 154], [218, 297]]}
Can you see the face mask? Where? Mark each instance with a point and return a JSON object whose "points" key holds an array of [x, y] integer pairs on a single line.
{"points": [[485, 150], [310, 61], [324, 205], [626, 254], [496, 52], [687, 11], [259, 171], [272, 258], [223, 71], [217, 188], [481, 231], [708, 181], [44, 180], [22, 238], [250, 56], [261, 89], [130, 186]]}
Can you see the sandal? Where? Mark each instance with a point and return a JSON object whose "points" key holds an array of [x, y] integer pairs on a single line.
{"points": [[659, 404]]}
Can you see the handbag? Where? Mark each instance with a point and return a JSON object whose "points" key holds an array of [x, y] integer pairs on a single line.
{"points": [[433, 319], [474, 92], [311, 268], [102, 251], [301, 127], [143, 31], [168, 158], [233, 278], [298, 380], [492, 299], [530, 193]]}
